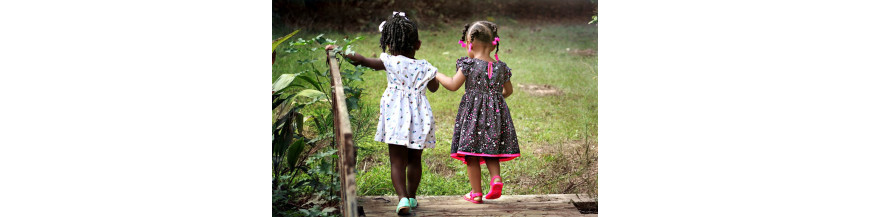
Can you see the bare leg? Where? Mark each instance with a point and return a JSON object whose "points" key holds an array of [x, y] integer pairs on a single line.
{"points": [[414, 171], [494, 167], [398, 161], [473, 165]]}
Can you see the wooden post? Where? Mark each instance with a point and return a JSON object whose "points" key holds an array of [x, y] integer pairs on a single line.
{"points": [[343, 140]]}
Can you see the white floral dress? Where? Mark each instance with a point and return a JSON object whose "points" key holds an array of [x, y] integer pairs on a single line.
{"points": [[406, 116]]}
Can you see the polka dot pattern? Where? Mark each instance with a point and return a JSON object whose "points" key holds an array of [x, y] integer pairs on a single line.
{"points": [[483, 123], [405, 114]]}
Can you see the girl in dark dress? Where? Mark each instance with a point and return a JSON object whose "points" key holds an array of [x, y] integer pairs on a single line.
{"points": [[484, 131]]}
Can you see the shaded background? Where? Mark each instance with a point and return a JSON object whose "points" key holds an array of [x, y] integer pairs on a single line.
{"points": [[359, 15]]}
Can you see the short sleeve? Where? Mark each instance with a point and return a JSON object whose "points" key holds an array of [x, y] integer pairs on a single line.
{"points": [[463, 65], [430, 72], [508, 73], [386, 59]]}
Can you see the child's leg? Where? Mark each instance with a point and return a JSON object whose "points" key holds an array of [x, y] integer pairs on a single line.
{"points": [[473, 164], [494, 167], [415, 171], [492, 163], [398, 162]]}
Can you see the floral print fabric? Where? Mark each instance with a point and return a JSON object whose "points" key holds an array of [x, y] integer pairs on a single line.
{"points": [[405, 114], [483, 123]]}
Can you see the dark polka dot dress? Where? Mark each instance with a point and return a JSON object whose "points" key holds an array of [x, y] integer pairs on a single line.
{"points": [[483, 123]]}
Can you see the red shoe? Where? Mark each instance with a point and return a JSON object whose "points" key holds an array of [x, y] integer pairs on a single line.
{"points": [[494, 188], [471, 195]]}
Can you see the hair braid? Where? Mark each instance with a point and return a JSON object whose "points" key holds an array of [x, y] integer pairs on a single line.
{"points": [[465, 32], [400, 34], [493, 28]]}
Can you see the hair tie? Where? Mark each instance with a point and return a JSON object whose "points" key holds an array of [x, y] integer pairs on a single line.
{"points": [[381, 27], [401, 14], [496, 57], [495, 41], [462, 43]]}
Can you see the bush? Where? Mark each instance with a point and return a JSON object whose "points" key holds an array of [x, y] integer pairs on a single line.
{"points": [[304, 177]]}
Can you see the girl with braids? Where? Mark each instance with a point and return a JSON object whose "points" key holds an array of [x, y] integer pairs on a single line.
{"points": [[484, 131], [406, 122]]}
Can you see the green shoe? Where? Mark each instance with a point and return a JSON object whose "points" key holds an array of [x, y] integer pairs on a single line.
{"points": [[403, 208], [413, 202]]}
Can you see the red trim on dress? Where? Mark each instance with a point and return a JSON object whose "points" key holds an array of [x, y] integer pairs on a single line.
{"points": [[502, 157]]}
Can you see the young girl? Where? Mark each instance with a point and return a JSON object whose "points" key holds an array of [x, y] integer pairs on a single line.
{"points": [[406, 122], [484, 131]]}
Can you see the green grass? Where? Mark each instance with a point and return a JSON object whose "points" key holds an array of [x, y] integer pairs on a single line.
{"points": [[553, 131]]}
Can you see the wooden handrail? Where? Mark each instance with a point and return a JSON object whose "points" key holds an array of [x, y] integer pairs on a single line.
{"points": [[343, 140]]}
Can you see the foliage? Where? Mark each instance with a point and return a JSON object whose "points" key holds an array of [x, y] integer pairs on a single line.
{"points": [[304, 177]]}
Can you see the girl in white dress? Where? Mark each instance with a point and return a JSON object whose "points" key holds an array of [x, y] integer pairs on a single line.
{"points": [[405, 121]]}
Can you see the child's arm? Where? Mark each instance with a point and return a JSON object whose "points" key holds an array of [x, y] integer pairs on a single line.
{"points": [[507, 89], [357, 59], [453, 83], [433, 85]]}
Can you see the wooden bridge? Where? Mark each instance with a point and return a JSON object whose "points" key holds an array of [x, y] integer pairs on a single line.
{"points": [[507, 205]]}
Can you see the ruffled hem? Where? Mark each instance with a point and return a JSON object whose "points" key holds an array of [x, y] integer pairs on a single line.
{"points": [[502, 157]]}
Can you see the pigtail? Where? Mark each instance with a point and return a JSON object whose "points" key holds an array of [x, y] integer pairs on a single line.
{"points": [[498, 42], [494, 30], [465, 32]]}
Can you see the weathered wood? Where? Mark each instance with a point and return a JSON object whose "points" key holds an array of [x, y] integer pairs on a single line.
{"points": [[507, 205], [343, 140]]}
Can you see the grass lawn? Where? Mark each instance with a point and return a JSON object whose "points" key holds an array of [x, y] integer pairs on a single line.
{"points": [[555, 128]]}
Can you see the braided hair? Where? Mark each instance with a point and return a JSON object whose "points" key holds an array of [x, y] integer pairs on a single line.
{"points": [[400, 34], [483, 30]]}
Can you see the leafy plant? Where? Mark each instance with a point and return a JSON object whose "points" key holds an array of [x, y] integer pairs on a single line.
{"points": [[304, 177]]}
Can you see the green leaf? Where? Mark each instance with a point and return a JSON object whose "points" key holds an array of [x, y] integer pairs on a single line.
{"points": [[313, 94], [348, 51], [278, 41], [294, 151], [300, 123], [354, 75], [352, 103], [310, 81], [329, 209], [319, 39], [283, 81]]}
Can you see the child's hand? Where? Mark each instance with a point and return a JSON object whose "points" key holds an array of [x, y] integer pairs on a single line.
{"points": [[330, 47]]}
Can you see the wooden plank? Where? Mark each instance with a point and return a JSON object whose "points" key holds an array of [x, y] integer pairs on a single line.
{"points": [[343, 140], [507, 205]]}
